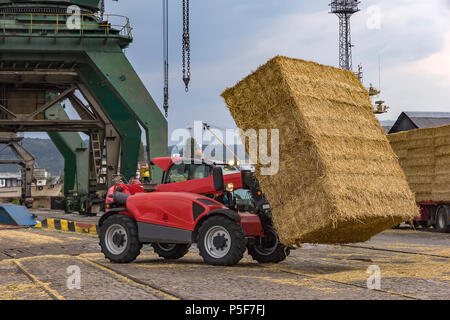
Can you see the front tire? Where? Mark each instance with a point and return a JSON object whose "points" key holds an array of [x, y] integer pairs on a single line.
{"points": [[221, 241], [442, 223], [171, 251], [269, 250], [119, 239]]}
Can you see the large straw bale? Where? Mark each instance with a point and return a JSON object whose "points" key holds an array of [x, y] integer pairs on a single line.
{"points": [[420, 179], [418, 161], [402, 154], [339, 180], [441, 150], [426, 161], [442, 131], [442, 140], [442, 161]]}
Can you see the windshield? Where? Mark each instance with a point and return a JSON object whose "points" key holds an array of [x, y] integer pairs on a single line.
{"points": [[229, 169], [244, 200]]}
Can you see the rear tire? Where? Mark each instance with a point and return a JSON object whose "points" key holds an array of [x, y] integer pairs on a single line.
{"points": [[221, 241], [119, 239], [171, 251], [270, 250], [442, 223]]}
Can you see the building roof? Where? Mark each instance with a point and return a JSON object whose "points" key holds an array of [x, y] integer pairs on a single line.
{"points": [[387, 125], [415, 120], [9, 175], [386, 129]]}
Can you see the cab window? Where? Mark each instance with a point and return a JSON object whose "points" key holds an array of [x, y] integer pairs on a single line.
{"points": [[178, 173], [200, 171]]}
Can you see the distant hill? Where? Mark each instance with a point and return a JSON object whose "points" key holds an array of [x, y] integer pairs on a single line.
{"points": [[45, 152]]}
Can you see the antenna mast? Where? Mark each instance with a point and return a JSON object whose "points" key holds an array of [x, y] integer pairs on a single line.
{"points": [[344, 9]]}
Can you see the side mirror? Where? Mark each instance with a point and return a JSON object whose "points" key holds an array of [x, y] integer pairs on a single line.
{"points": [[219, 184]]}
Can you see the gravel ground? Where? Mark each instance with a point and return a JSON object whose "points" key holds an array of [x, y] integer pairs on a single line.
{"points": [[39, 265]]}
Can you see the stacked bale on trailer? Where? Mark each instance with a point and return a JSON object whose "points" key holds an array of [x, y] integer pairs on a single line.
{"points": [[424, 155], [339, 180]]}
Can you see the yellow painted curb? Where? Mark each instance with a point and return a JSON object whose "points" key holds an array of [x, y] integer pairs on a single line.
{"points": [[68, 226]]}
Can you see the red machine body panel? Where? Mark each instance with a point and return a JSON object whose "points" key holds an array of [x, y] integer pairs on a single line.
{"points": [[124, 188], [251, 225], [176, 210], [235, 179], [171, 209], [424, 210], [166, 162], [200, 186]]}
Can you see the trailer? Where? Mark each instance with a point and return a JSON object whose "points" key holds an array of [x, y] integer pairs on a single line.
{"points": [[424, 155], [434, 214]]}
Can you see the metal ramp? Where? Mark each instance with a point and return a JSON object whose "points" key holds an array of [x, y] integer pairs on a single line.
{"points": [[16, 216]]}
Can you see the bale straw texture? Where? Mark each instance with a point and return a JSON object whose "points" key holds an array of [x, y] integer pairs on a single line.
{"points": [[339, 180], [425, 157]]}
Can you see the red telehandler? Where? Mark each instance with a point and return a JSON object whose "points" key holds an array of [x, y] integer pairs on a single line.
{"points": [[215, 205]]}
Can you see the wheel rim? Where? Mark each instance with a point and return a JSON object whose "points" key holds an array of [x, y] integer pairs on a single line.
{"points": [[441, 220], [116, 239], [166, 246], [217, 242], [269, 243]]}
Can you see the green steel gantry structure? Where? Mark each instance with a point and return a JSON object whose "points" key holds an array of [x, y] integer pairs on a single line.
{"points": [[53, 52]]}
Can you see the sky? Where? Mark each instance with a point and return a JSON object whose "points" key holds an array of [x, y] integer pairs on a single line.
{"points": [[409, 39]]}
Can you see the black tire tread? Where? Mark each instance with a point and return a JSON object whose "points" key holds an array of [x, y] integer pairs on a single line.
{"points": [[445, 229], [178, 252], [280, 254], [135, 246], [237, 234]]}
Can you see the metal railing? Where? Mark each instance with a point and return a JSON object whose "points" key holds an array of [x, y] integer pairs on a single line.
{"points": [[112, 24], [344, 6]]}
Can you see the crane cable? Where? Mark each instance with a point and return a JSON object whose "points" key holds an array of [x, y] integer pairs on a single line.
{"points": [[208, 127], [166, 55], [186, 47], [102, 9]]}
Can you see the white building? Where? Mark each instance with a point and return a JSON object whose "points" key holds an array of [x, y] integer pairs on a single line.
{"points": [[41, 176], [10, 180]]}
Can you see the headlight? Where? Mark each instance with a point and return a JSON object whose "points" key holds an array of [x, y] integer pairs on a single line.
{"points": [[231, 163], [230, 187]]}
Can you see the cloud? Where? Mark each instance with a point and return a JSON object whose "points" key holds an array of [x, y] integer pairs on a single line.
{"points": [[437, 65], [409, 29], [307, 35], [232, 38], [421, 85]]}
